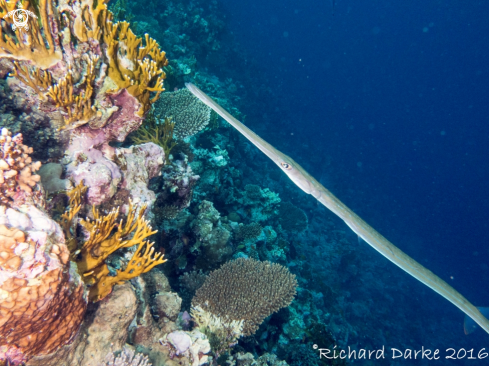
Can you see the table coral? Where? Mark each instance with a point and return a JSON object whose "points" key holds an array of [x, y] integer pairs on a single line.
{"points": [[246, 289], [187, 112]]}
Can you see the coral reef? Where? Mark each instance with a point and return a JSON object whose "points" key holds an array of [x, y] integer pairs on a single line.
{"points": [[155, 131], [50, 174], [247, 359], [85, 73], [139, 164], [212, 235], [223, 333], [246, 289], [193, 345], [291, 217], [175, 190]]}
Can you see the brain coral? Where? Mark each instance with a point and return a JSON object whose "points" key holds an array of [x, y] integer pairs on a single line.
{"points": [[188, 113], [42, 299], [246, 289]]}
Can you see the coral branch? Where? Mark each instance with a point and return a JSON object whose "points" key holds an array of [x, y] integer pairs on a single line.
{"points": [[137, 68], [103, 241], [68, 218], [141, 262], [79, 108], [29, 45]]}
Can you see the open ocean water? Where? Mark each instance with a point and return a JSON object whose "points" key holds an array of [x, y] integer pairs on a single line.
{"points": [[387, 104]]}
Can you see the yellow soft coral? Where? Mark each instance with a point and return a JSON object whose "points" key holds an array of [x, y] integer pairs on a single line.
{"points": [[35, 44], [135, 67], [68, 218], [106, 235], [103, 241]]}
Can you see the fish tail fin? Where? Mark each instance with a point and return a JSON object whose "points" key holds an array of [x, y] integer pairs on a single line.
{"points": [[470, 325]]}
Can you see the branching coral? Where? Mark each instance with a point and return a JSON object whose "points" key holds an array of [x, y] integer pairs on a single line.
{"points": [[48, 59], [16, 167], [246, 289], [79, 108], [126, 358], [68, 218], [132, 66], [105, 236], [38, 79], [35, 44], [246, 233]]}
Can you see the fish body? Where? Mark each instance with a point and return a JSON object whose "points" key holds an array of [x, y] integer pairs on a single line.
{"points": [[308, 184]]}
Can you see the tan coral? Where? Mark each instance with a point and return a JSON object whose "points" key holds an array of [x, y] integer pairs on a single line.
{"points": [[9, 240], [38, 79], [246, 289]]}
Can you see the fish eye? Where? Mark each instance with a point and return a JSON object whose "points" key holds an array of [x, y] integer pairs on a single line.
{"points": [[286, 166]]}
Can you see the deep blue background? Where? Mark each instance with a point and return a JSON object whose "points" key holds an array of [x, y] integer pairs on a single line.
{"points": [[396, 94]]}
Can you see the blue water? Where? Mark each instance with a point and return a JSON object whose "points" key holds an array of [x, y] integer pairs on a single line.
{"points": [[394, 95]]}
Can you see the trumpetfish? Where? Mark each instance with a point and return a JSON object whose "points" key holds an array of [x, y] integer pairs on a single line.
{"points": [[308, 184]]}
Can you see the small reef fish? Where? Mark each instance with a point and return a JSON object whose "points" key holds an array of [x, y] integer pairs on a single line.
{"points": [[308, 184]]}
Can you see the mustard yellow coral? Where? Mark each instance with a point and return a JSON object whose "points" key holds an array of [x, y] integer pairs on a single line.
{"points": [[35, 44], [107, 234], [79, 108], [134, 66], [68, 219]]}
